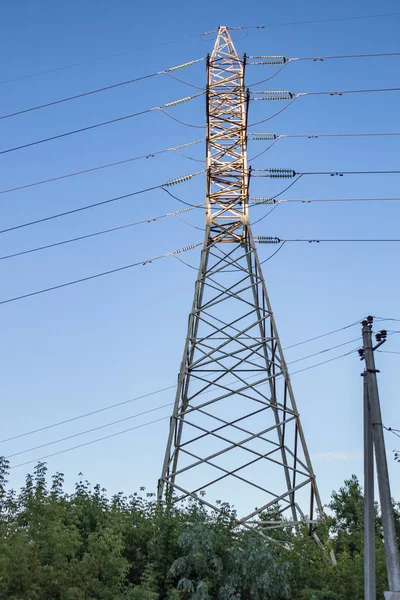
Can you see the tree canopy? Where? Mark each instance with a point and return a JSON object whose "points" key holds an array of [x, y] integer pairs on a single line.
{"points": [[83, 545]]}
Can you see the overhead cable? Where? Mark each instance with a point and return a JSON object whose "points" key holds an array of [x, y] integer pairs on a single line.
{"points": [[284, 61], [323, 351], [152, 422], [272, 200], [88, 414], [326, 361], [309, 22], [74, 435], [273, 60], [290, 173], [160, 44], [101, 203], [102, 89], [267, 136], [154, 392], [273, 95], [155, 421], [262, 239], [97, 275], [394, 431], [147, 412], [277, 203], [106, 166], [322, 335], [102, 232], [106, 437], [103, 123], [273, 254], [387, 319]]}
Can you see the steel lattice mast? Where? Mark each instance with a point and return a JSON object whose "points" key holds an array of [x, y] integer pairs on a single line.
{"points": [[235, 433]]}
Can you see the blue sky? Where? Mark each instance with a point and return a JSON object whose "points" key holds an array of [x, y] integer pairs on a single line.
{"points": [[118, 337]]}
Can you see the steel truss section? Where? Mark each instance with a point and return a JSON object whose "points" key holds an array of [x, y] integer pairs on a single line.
{"points": [[235, 432]]}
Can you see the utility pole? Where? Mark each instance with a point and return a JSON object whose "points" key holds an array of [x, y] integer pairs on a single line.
{"points": [[369, 504], [389, 532], [235, 433]]}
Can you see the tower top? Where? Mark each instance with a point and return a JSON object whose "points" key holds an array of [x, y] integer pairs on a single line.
{"points": [[223, 44]]}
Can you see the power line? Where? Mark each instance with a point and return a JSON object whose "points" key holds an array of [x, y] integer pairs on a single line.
{"points": [[317, 58], [287, 173], [166, 113], [126, 52], [93, 60], [323, 351], [97, 233], [271, 95], [268, 60], [98, 90], [291, 97], [88, 414], [262, 239], [192, 85], [263, 201], [97, 275], [388, 352], [74, 435], [102, 124], [272, 255], [273, 115], [277, 196], [76, 210], [178, 67], [331, 20], [274, 138], [339, 56], [137, 426], [394, 431], [341, 92], [325, 361], [318, 21], [387, 319], [103, 202], [82, 129], [344, 240], [268, 213], [140, 414], [314, 136], [105, 166], [285, 64], [317, 337], [164, 189], [106, 437], [153, 393]]}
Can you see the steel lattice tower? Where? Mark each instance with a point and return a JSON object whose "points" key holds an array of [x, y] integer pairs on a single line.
{"points": [[235, 433]]}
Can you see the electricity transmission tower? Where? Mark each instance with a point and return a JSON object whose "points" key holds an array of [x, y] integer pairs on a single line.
{"points": [[235, 433]]}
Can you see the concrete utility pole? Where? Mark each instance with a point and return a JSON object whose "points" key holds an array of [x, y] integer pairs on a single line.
{"points": [[369, 507], [389, 532]]}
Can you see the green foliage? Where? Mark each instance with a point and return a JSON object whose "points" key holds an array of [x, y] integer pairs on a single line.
{"points": [[263, 575], [85, 546]]}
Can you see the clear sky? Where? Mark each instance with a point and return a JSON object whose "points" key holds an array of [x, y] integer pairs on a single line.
{"points": [[115, 338]]}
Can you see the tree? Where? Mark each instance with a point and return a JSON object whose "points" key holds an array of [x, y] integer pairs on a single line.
{"points": [[86, 546]]}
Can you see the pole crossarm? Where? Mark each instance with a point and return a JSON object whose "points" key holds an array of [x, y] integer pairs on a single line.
{"points": [[245, 444]]}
